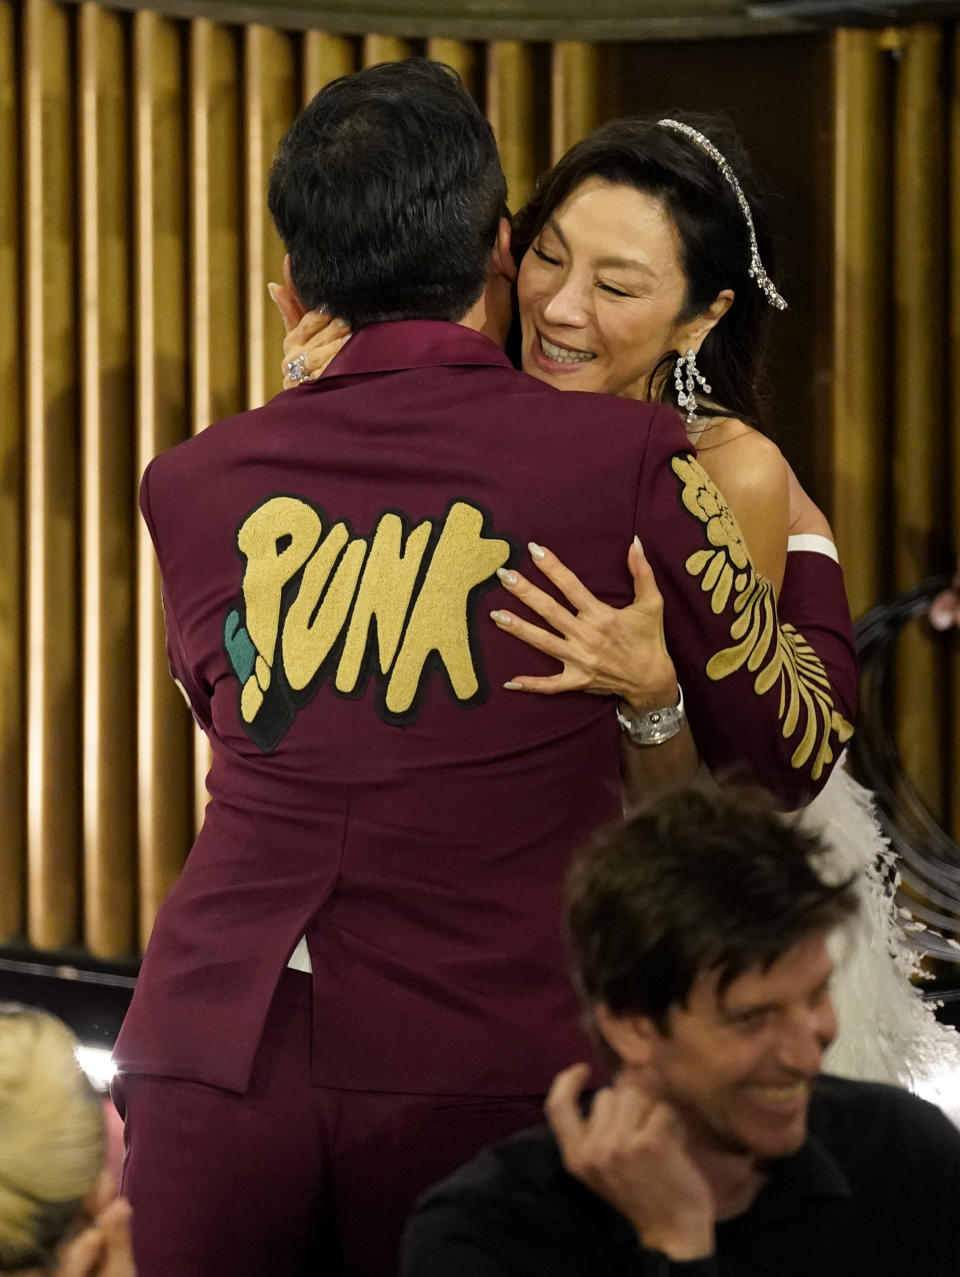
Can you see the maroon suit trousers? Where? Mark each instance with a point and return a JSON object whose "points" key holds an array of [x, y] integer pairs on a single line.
{"points": [[299, 1179]]}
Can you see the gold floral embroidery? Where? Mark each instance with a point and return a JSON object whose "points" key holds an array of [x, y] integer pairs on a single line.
{"points": [[777, 656]]}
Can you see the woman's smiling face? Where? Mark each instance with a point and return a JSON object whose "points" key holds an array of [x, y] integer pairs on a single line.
{"points": [[601, 291]]}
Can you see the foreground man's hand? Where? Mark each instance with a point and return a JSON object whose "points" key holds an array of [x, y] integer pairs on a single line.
{"points": [[630, 1151]]}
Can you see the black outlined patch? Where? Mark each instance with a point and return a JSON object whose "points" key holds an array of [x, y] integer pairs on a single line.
{"points": [[321, 605]]}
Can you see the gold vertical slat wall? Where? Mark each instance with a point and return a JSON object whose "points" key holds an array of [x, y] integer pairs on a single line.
{"points": [[891, 437], [510, 109], [51, 429], [12, 699], [133, 231], [159, 224], [919, 400], [214, 148], [384, 48], [325, 58], [861, 273], [953, 415], [575, 96], [460, 56], [109, 780], [133, 228], [271, 100]]}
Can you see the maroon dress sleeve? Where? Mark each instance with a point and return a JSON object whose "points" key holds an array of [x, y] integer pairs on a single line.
{"points": [[770, 691]]}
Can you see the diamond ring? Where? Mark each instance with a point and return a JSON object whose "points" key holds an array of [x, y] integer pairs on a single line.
{"points": [[297, 369]]}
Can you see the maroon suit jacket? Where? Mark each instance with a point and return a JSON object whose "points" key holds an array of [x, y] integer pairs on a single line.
{"points": [[328, 562]]}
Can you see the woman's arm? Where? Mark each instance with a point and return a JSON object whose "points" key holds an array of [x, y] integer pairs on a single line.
{"points": [[750, 471], [774, 701]]}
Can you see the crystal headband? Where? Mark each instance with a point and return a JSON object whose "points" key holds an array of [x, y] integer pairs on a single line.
{"points": [[756, 271]]}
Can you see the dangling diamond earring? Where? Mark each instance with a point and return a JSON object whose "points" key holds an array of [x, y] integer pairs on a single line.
{"points": [[685, 373]]}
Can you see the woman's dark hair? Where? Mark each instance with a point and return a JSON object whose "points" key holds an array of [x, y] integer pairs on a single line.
{"points": [[694, 882], [714, 240]]}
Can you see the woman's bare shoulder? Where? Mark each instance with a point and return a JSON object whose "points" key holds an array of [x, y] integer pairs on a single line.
{"points": [[743, 456], [752, 475]]}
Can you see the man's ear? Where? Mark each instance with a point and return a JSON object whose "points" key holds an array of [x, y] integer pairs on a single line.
{"points": [[501, 262], [288, 280], [632, 1037]]}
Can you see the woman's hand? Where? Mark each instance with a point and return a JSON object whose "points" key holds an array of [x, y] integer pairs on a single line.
{"points": [[606, 650], [313, 338]]}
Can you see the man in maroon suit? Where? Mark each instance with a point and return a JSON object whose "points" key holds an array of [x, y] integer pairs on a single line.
{"points": [[383, 814]]}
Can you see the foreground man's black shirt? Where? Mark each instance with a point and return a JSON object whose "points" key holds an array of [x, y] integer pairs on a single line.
{"points": [[874, 1190]]}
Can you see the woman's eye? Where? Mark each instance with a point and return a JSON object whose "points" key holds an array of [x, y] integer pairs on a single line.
{"points": [[538, 252], [617, 292]]}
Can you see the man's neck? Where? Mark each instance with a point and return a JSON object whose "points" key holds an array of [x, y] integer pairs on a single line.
{"points": [[735, 1179], [490, 313]]}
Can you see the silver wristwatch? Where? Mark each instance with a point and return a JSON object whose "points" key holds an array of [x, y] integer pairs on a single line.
{"points": [[656, 726]]}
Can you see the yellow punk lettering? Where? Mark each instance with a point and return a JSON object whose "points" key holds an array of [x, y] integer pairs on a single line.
{"points": [[393, 607], [438, 621], [384, 596]]}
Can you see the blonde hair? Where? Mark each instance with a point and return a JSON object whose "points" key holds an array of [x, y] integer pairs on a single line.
{"points": [[51, 1135]]}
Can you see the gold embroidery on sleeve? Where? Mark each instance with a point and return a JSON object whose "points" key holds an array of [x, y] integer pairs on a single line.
{"points": [[778, 657]]}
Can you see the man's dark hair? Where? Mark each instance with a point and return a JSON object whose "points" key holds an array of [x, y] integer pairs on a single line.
{"points": [[713, 238], [387, 191], [695, 882]]}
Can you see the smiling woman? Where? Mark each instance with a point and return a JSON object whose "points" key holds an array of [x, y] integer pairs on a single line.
{"points": [[603, 295], [639, 246]]}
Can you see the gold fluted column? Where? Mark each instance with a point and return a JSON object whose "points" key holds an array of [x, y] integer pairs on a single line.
{"points": [[574, 94], [325, 57], [216, 203], [53, 670], [164, 754], [510, 109], [270, 103], [919, 314], [12, 771], [109, 777], [460, 56], [860, 390], [384, 48]]}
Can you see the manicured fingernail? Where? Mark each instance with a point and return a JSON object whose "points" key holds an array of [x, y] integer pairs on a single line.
{"points": [[342, 323], [638, 546], [272, 290], [507, 577], [537, 551], [501, 618], [513, 687]]}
